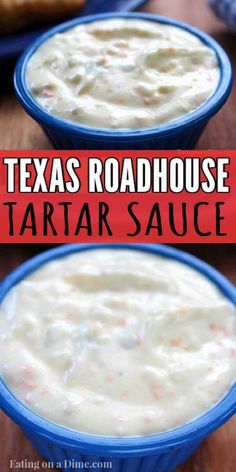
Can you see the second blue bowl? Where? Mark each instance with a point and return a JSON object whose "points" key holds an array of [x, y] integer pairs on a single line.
{"points": [[181, 133]]}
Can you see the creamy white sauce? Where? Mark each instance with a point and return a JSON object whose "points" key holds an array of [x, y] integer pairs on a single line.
{"points": [[122, 74], [117, 342]]}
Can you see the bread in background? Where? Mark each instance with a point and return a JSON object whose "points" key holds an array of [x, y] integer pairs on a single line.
{"points": [[15, 14]]}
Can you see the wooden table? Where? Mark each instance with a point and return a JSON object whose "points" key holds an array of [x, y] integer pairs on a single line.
{"points": [[18, 131], [217, 454]]}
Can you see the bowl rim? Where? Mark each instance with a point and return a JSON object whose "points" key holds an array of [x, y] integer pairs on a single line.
{"points": [[202, 113], [194, 430]]}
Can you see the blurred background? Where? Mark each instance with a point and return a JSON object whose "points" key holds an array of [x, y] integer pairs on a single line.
{"points": [[18, 131]]}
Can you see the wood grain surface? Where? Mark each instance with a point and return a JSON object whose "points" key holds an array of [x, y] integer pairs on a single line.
{"points": [[19, 131], [216, 454]]}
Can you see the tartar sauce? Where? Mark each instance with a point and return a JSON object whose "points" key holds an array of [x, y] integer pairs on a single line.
{"points": [[122, 74], [117, 342]]}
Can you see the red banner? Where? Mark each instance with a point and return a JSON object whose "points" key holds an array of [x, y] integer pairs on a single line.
{"points": [[117, 196]]}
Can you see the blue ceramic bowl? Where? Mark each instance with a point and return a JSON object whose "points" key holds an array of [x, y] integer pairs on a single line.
{"points": [[181, 133], [226, 10], [160, 452]]}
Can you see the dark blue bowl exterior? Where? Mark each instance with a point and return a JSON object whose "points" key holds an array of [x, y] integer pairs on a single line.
{"points": [[187, 139], [182, 133], [166, 462], [162, 452]]}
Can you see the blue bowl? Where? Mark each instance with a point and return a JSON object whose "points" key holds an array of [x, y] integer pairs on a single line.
{"points": [[161, 452], [181, 133]]}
